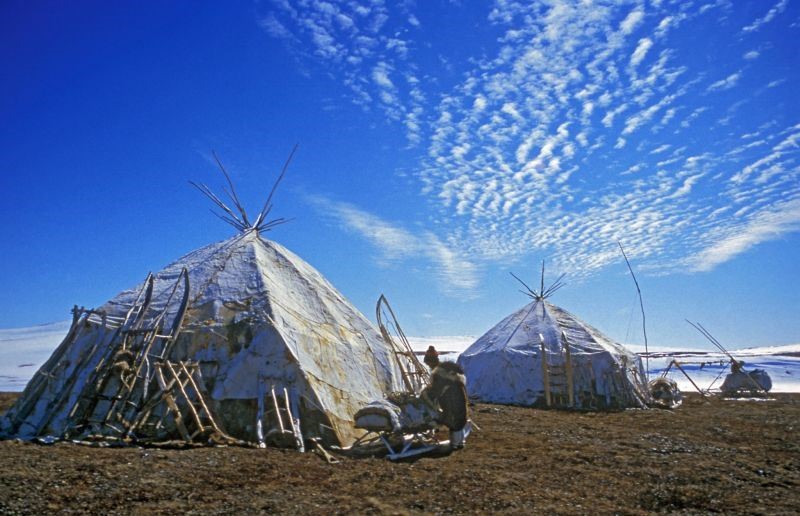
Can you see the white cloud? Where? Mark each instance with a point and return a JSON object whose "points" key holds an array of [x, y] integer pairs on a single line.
{"points": [[608, 119], [667, 23], [767, 225], [274, 28], [694, 115], [354, 43], [771, 14], [479, 104], [632, 169], [633, 20], [637, 120], [380, 74], [576, 129], [510, 108], [686, 188], [641, 51], [726, 83], [456, 274], [785, 146]]}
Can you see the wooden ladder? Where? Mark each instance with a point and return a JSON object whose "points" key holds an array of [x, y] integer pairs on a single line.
{"points": [[180, 397], [559, 389]]}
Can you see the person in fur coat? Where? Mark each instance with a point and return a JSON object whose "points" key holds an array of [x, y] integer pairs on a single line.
{"points": [[448, 393]]}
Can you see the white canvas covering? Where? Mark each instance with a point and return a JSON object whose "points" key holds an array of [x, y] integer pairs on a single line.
{"points": [[505, 365], [259, 318]]}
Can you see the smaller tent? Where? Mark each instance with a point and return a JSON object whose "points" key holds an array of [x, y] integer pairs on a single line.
{"points": [[542, 355]]}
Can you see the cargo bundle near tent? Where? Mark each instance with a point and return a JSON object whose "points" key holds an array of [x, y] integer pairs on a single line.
{"points": [[544, 356], [240, 341]]}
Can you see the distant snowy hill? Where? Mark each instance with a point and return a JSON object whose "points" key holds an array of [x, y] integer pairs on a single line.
{"points": [[24, 350], [455, 344], [708, 369]]}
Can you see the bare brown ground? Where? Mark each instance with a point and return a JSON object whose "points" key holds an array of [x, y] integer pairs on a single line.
{"points": [[729, 456]]}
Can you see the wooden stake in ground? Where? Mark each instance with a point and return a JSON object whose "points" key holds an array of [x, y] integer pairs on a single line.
{"points": [[277, 410], [262, 392]]}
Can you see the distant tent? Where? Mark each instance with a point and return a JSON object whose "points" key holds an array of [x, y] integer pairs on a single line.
{"points": [[542, 355], [238, 341]]}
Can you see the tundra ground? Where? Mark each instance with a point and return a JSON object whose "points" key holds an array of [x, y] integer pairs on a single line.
{"points": [[706, 456]]}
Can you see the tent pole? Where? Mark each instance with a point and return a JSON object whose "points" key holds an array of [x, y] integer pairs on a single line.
{"points": [[541, 284], [570, 379], [641, 305], [689, 378], [277, 409], [545, 372]]}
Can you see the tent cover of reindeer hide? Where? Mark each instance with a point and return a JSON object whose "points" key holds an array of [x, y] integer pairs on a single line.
{"points": [[542, 355], [241, 339]]}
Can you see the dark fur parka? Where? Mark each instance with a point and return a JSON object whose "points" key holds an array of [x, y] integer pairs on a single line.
{"points": [[448, 392]]}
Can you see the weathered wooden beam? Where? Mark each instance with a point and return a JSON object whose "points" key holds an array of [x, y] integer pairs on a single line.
{"points": [[277, 409], [689, 378], [186, 396], [201, 401], [298, 436], [173, 406]]}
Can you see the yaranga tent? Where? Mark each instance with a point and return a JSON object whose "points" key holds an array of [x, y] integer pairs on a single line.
{"points": [[542, 355], [239, 340]]}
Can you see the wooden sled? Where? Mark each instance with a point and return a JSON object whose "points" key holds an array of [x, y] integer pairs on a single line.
{"points": [[404, 444]]}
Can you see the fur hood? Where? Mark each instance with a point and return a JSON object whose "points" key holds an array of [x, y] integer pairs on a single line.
{"points": [[451, 372]]}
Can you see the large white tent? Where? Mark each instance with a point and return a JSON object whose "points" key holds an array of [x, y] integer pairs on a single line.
{"points": [[258, 319], [239, 340], [541, 355]]}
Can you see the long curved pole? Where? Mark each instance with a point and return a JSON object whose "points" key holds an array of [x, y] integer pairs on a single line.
{"points": [[641, 305]]}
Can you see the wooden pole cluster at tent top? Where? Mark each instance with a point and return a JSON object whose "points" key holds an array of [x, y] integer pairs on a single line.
{"points": [[240, 220]]}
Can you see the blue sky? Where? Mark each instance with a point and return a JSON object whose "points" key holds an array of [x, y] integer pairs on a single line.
{"points": [[442, 145]]}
